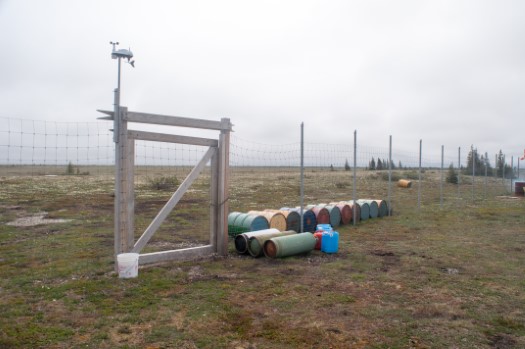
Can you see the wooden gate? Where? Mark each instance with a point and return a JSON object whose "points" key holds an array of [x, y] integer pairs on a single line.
{"points": [[217, 153]]}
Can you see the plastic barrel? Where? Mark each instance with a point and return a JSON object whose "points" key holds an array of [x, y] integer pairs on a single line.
{"points": [[241, 240], [330, 242], [372, 206], [289, 245], [256, 243]]}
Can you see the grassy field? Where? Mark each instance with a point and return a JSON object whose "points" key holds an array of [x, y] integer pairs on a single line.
{"points": [[446, 276]]}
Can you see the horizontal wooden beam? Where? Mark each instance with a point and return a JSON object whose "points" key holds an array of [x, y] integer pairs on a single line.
{"points": [[180, 121], [168, 138], [182, 254]]}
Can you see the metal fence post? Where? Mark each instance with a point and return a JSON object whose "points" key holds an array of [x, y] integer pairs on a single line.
{"points": [[354, 191], [473, 158], [441, 177], [459, 172], [419, 176], [302, 176], [389, 202]]}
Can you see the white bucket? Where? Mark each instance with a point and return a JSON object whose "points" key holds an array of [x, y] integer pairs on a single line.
{"points": [[128, 265]]}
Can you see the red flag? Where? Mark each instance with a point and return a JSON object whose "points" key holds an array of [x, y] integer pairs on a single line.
{"points": [[523, 157]]}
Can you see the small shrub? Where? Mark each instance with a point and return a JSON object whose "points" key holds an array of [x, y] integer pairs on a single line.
{"points": [[341, 185], [395, 176], [163, 183], [452, 176], [70, 170]]}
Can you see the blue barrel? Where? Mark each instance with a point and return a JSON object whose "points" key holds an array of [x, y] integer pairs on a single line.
{"points": [[309, 220], [254, 223]]}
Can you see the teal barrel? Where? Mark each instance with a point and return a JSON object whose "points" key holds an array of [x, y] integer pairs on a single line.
{"points": [[289, 245], [383, 208], [253, 222], [335, 215], [256, 243], [346, 211], [372, 205], [241, 240], [363, 208], [309, 220]]}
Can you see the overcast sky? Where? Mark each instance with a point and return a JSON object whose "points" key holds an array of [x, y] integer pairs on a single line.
{"points": [[448, 72]]}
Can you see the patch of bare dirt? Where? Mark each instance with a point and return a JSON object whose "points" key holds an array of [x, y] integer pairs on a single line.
{"points": [[36, 219]]}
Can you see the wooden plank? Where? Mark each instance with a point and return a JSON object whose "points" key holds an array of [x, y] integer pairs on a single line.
{"points": [[214, 199], [165, 211], [223, 194], [169, 138], [178, 121], [182, 254], [107, 112]]}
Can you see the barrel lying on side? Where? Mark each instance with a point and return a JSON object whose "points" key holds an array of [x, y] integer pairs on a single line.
{"points": [[346, 211], [309, 220], [256, 243], [275, 219], [241, 240], [373, 208], [383, 208], [321, 214], [289, 245]]}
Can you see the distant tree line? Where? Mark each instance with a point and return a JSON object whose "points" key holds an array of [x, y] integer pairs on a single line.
{"points": [[382, 164]]}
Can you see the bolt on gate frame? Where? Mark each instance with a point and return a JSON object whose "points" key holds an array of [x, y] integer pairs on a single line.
{"points": [[217, 154]]}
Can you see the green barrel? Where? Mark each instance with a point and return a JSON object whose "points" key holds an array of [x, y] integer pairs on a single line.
{"points": [[256, 243], [236, 225], [231, 219], [241, 240], [372, 205], [284, 246]]}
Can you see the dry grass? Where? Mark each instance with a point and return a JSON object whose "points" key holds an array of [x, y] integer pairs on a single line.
{"points": [[438, 277]]}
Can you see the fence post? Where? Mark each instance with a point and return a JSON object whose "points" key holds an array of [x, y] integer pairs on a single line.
{"points": [[223, 190], [459, 172], [441, 178], [419, 176], [389, 202], [354, 191], [486, 174], [124, 197], [473, 158], [511, 171], [302, 177]]}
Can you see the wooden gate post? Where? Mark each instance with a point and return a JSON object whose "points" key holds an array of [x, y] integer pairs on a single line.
{"points": [[124, 188], [223, 188]]}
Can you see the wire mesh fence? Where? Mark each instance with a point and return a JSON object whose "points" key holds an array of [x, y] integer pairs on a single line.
{"points": [[271, 171]]}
